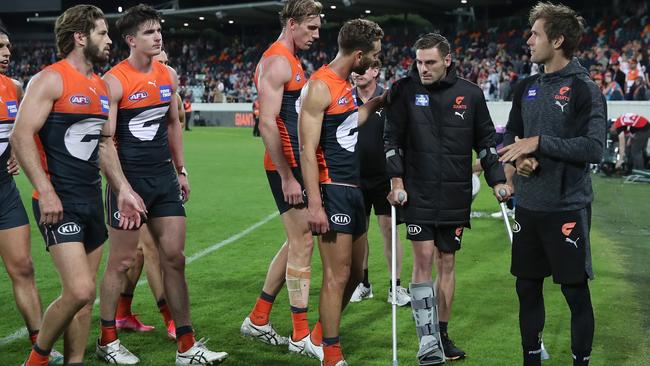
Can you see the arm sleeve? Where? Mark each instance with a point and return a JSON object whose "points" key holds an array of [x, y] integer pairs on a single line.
{"points": [[485, 145], [395, 130], [586, 146], [515, 125]]}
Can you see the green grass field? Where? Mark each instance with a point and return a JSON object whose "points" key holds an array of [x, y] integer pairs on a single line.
{"points": [[230, 194]]}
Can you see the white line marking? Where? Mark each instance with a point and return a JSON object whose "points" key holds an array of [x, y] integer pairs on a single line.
{"points": [[22, 332]]}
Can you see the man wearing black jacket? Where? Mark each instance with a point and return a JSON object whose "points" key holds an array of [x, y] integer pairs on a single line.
{"points": [[555, 129], [434, 120]]}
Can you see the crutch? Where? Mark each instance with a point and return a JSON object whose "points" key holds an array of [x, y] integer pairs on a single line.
{"points": [[502, 192], [393, 270]]}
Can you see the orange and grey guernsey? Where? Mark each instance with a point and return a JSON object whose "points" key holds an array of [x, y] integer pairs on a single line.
{"points": [[337, 154], [141, 130], [68, 141], [8, 111], [287, 120]]}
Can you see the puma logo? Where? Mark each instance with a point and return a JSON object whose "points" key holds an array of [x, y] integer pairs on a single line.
{"points": [[379, 112], [152, 83], [92, 90], [557, 103], [574, 242], [461, 115], [0, 99]]}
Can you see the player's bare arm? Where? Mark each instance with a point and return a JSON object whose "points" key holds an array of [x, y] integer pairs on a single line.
{"points": [[129, 203], [315, 98], [175, 138], [274, 72], [45, 88]]}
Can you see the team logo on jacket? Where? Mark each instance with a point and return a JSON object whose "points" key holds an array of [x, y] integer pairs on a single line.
{"points": [[459, 103], [104, 101], [413, 229], [562, 94], [165, 93], [421, 100], [79, 100], [12, 108], [139, 95], [69, 228], [340, 219]]}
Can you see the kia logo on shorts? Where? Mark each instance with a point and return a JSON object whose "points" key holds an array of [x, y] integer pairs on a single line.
{"points": [[414, 229], [69, 228], [340, 219]]}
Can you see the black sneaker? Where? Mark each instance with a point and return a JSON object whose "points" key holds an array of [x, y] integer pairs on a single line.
{"points": [[451, 351]]}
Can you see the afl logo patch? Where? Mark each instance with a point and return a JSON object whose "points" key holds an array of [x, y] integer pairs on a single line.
{"points": [[165, 93], [516, 227], [69, 228], [79, 100], [139, 95], [343, 100], [340, 219], [413, 229], [298, 77]]}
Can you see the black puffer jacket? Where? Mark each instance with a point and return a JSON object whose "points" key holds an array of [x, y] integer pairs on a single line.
{"points": [[429, 135]]}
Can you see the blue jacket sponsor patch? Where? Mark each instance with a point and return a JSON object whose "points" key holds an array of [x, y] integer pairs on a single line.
{"points": [[421, 100], [531, 93]]}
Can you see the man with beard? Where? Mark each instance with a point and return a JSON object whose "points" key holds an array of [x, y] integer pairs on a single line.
{"points": [[144, 116], [327, 125], [59, 123], [434, 121], [14, 225], [279, 78]]}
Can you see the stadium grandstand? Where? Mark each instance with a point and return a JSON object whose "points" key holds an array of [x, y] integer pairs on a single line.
{"points": [[233, 229]]}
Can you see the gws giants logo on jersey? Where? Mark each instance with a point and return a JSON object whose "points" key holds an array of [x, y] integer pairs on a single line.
{"points": [[165, 93], [5, 132], [12, 108], [69, 228], [516, 227], [81, 138], [340, 219], [347, 132], [413, 229], [79, 100], [145, 125], [139, 95]]}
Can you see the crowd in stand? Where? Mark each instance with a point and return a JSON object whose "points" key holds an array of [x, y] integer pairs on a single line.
{"points": [[614, 50]]}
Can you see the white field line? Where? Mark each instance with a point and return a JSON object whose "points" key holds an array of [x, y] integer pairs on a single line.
{"points": [[22, 332]]}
